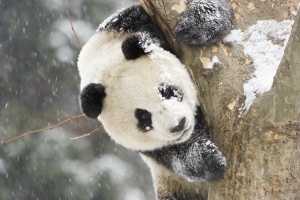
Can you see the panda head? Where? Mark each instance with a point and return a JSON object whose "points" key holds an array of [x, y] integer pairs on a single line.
{"points": [[141, 93]]}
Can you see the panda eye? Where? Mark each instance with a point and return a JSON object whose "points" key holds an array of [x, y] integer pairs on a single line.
{"points": [[145, 115], [144, 120], [169, 92]]}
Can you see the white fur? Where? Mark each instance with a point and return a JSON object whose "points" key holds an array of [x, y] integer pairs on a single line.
{"points": [[132, 84]]}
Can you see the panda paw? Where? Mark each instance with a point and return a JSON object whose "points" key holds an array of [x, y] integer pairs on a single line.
{"points": [[209, 165], [213, 158], [204, 22]]}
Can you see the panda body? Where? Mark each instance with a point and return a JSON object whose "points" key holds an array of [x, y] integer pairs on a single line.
{"points": [[145, 99]]}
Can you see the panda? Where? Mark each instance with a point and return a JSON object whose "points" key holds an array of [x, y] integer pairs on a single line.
{"points": [[132, 82]]}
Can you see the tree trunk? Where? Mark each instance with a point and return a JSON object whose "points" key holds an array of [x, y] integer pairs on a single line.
{"points": [[261, 144]]}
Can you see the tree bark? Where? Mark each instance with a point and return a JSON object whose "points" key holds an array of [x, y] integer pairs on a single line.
{"points": [[262, 145]]}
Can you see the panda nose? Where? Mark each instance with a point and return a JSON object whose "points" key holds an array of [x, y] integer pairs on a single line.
{"points": [[179, 127]]}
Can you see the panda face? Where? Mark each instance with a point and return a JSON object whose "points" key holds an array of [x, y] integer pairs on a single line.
{"points": [[144, 117], [149, 102]]}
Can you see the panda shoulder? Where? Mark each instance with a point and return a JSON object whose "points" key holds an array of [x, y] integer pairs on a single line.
{"points": [[128, 19], [131, 20]]}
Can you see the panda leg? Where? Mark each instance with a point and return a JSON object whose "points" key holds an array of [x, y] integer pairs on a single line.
{"points": [[170, 186]]}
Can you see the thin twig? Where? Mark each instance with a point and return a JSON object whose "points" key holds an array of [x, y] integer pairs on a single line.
{"points": [[87, 134], [73, 29], [97, 145], [43, 129]]}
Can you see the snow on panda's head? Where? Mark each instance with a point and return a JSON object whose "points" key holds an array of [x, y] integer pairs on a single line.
{"points": [[144, 102]]}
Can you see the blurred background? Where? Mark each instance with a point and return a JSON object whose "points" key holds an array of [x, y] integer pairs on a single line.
{"points": [[39, 87]]}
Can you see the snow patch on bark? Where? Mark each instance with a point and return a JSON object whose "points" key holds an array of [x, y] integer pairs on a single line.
{"points": [[213, 61], [264, 42]]}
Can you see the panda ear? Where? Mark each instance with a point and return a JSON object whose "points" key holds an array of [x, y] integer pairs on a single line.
{"points": [[91, 100], [137, 45]]}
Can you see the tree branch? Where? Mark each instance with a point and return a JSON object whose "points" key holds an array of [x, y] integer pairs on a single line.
{"points": [[73, 29], [43, 129]]}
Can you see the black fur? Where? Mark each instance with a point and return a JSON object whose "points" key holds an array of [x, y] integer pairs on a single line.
{"points": [[134, 19], [129, 20], [197, 159], [178, 195], [144, 120], [91, 100], [204, 22], [136, 45], [169, 91]]}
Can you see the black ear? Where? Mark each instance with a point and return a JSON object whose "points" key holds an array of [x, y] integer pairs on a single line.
{"points": [[136, 45], [91, 100]]}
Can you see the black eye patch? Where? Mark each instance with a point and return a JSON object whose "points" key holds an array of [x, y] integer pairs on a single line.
{"points": [[144, 119], [169, 91]]}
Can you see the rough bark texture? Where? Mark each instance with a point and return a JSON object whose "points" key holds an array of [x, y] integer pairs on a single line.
{"points": [[261, 146]]}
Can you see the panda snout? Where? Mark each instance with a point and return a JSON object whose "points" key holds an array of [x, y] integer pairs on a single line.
{"points": [[179, 127]]}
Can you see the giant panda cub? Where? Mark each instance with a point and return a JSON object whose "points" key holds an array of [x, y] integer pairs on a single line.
{"points": [[145, 99]]}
